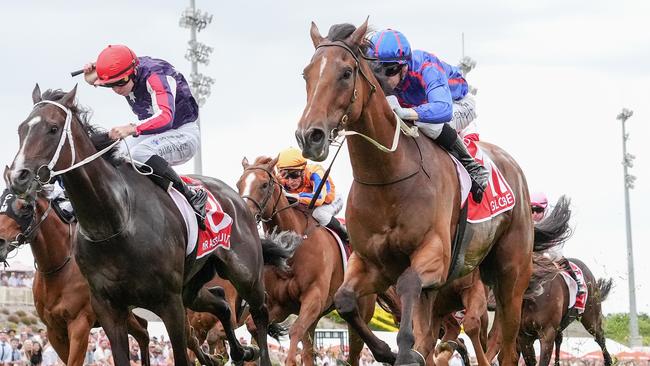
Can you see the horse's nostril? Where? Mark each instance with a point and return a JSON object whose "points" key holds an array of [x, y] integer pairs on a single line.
{"points": [[23, 174], [316, 136]]}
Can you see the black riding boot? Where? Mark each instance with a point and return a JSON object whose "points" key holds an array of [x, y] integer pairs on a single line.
{"points": [[164, 175], [450, 141], [336, 226]]}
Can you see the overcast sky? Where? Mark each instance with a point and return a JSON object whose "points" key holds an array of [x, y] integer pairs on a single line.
{"points": [[551, 78]]}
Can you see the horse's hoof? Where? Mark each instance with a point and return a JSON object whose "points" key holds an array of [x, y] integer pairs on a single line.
{"points": [[412, 358], [251, 353]]}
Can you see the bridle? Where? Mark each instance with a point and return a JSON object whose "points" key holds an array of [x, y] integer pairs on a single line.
{"points": [[357, 69], [25, 236], [340, 128], [66, 135], [268, 193]]}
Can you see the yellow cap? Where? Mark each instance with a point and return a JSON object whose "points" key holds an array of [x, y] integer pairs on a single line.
{"points": [[291, 158]]}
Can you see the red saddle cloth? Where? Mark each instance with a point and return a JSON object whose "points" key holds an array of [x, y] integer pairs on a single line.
{"points": [[498, 196], [217, 222]]}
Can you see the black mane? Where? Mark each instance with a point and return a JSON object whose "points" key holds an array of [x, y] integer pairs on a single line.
{"points": [[98, 135], [340, 32]]}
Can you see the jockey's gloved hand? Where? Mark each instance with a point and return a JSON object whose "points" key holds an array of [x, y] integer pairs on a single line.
{"points": [[408, 114]]}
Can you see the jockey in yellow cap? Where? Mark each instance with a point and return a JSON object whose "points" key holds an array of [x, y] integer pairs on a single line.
{"points": [[300, 181]]}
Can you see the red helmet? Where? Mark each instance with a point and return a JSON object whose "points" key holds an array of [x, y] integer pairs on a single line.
{"points": [[115, 62]]}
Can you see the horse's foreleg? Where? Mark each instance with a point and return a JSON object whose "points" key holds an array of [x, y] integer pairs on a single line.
{"points": [[427, 271], [558, 344], [137, 327], [307, 354], [436, 326], [311, 306], [513, 273], [78, 331], [527, 350], [194, 344], [361, 280], [172, 313], [211, 302], [546, 343], [113, 320], [476, 305], [366, 310]]}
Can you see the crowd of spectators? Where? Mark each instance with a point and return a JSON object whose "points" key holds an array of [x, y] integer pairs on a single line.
{"points": [[26, 348], [17, 279]]}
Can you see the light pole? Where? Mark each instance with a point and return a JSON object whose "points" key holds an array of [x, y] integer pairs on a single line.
{"points": [[635, 339], [197, 53]]}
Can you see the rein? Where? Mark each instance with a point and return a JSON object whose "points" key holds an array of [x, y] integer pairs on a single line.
{"points": [[66, 135]]}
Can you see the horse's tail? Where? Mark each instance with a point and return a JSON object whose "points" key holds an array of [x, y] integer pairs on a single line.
{"points": [[278, 246], [604, 286], [554, 229], [389, 301], [544, 270], [277, 330]]}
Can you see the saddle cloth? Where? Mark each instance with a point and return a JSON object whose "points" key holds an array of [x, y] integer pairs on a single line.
{"points": [[344, 248], [217, 222], [578, 302], [498, 196]]}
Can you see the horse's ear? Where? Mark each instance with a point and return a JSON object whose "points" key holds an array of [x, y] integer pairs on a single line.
{"points": [[273, 162], [244, 163], [36, 94], [6, 173], [68, 99], [316, 38], [356, 38]]}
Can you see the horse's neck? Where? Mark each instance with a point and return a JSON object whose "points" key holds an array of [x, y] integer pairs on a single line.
{"points": [[99, 194], [370, 164], [288, 218], [52, 243]]}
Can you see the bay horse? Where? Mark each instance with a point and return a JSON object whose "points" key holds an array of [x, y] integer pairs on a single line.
{"points": [[131, 238], [404, 206], [315, 271], [61, 293], [545, 316]]}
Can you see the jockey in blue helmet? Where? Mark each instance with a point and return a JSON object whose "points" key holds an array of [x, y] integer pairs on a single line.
{"points": [[429, 92]]}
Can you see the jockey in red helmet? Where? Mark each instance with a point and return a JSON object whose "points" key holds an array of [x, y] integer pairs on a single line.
{"points": [[429, 92], [166, 132]]}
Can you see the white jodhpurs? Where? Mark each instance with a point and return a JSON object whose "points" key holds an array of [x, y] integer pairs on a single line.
{"points": [[176, 146], [464, 112], [324, 213]]}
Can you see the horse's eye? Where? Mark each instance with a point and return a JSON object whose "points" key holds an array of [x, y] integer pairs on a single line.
{"points": [[346, 74], [53, 130], [265, 185]]}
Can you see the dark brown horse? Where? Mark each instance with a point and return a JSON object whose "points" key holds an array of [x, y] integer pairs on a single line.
{"points": [[404, 206], [61, 293], [545, 316], [131, 238], [315, 271]]}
